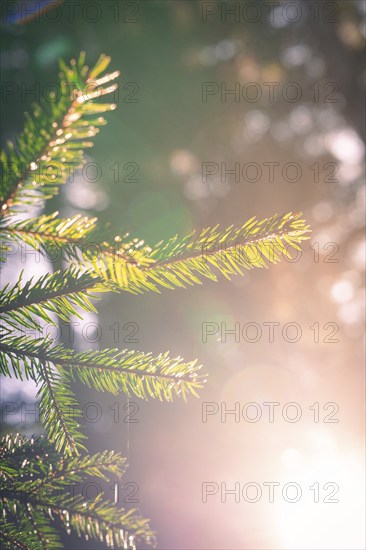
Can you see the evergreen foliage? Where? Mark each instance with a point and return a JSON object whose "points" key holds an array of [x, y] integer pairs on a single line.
{"points": [[49, 149], [39, 494]]}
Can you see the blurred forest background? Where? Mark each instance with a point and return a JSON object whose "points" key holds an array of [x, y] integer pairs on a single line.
{"points": [[160, 135]]}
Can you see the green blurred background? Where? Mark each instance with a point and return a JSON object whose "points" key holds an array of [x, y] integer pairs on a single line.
{"points": [[163, 132]]}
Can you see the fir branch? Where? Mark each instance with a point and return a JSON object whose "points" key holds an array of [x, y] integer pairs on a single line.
{"points": [[59, 293], [75, 469], [59, 410], [142, 374], [41, 527], [51, 145], [18, 536], [179, 262], [15, 449], [182, 262], [77, 238], [39, 491], [49, 232]]}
